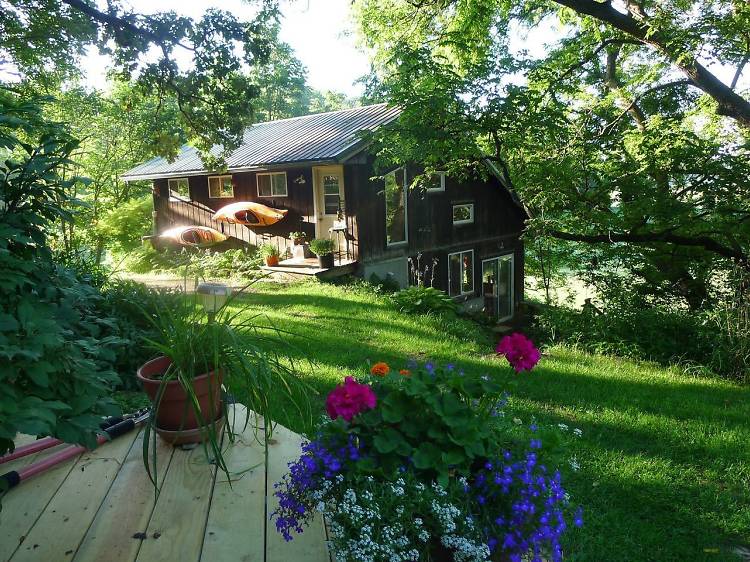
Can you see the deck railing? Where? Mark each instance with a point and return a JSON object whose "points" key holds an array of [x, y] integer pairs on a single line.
{"points": [[181, 212]]}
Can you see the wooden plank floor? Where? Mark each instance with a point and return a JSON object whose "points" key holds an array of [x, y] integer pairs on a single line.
{"points": [[102, 506]]}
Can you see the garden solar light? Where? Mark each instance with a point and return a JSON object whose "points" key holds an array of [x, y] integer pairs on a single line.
{"points": [[213, 296]]}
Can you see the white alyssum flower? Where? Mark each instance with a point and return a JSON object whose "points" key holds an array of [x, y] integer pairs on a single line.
{"points": [[574, 464], [563, 426], [465, 550], [577, 432]]}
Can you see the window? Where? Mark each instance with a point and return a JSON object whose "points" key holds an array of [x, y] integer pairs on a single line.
{"points": [[497, 287], [220, 187], [395, 207], [179, 187], [436, 182], [463, 213], [331, 194], [272, 185], [461, 273]]}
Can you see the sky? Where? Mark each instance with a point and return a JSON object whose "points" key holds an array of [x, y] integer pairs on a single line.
{"points": [[318, 30]]}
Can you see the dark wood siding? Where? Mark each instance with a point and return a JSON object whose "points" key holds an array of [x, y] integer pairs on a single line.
{"points": [[497, 218], [299, 203]]}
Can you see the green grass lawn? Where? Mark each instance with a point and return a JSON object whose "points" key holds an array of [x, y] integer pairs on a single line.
{"points": [[664, 458]]}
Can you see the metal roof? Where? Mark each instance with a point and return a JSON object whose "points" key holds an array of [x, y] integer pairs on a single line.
{"points": [[311, 138]]}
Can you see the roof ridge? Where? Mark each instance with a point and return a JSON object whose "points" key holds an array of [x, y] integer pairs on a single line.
{"points": [[317, 114]]}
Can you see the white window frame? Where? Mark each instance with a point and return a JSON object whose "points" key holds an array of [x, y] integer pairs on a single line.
{"points": [[512, 257], [473, 281], [221, 178], [470, 220], [442, 184], [174, 193], [405, 241], [270, 174]]}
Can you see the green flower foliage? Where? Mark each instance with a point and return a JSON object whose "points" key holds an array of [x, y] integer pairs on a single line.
{"points": [[437, 419], [55, 351], [424, 300]]}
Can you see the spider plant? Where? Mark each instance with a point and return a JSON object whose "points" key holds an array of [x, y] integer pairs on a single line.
{"points": [[248, 354]]}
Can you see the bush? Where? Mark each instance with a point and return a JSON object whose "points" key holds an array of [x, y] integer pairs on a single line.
{"points": [[657, 334], [123, 226], [424, 300], [56, 357], [239, 262], [126, 301]]}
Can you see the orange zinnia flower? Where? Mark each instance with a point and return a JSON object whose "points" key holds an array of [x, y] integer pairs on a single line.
{"points": [[380, 369], [405, 372]]}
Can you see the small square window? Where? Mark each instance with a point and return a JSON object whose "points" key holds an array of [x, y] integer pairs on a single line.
{"points": [[179, 187], [463, 213], [272, 184], [436, 182], [220, 187]]}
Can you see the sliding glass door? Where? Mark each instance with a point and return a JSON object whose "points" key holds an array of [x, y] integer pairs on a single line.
{"points": [[497, 286]]}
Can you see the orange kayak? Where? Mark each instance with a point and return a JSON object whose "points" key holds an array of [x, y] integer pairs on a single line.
{"points": [[199, 236], [250, 214]]}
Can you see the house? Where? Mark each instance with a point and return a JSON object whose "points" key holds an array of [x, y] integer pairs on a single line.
{"points": [[462, 237]]}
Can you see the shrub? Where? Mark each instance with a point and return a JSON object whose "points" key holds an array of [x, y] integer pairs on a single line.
{"points": [[322, 246], [56, 373], [123, 226], [125, 301], [424, 300], [711, 339], [385, 285], [239, 262]]}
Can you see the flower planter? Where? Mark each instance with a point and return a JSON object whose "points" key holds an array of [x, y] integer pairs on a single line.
{"points": [[326, 261], [272, 261], [175, 419]]}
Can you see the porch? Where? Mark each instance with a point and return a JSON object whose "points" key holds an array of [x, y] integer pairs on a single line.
{"points": [[309, 267]]}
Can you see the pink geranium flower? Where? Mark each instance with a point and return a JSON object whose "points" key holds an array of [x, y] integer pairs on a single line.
{"points": [[519, 351], [349, 399]]}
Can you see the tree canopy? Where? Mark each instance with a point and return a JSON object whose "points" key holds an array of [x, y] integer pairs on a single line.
{"points": [[616, 132], [214, 94]]}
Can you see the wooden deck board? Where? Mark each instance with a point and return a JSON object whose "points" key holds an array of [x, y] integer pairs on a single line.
{"points": [[126, 509], [20, 511], [90, 508], [236, 521], [66, 518], [175, 532]]}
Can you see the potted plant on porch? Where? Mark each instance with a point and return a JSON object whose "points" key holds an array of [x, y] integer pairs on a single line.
{"points": [[208, 350], [323, 248], [270, 253], [298, 238], [420, 464]]}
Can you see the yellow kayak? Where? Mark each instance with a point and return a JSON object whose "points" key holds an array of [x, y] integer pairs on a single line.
{"points": [[250, 214], [199, 236]]}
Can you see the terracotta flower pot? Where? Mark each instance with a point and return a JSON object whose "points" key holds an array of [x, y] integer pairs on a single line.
{"points": [[272, 261], [175, 413]]}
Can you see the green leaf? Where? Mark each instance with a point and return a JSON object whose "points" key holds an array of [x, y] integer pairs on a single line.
{"points": [[426, 456], [388, 440]]}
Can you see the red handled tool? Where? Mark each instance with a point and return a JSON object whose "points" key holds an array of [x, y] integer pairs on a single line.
{"points": [[109, 432]]}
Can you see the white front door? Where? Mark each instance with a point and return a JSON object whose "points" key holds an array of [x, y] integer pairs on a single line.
{"points": [[328, 190]]}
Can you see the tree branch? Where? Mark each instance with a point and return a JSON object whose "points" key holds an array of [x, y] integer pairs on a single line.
{"points": [[704, 242], [730, 103]]}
